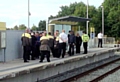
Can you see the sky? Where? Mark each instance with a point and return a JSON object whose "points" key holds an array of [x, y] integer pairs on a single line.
{"points": [[15, 12]]}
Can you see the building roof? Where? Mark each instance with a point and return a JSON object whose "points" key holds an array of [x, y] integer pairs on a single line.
{"points": [[72, 20]]}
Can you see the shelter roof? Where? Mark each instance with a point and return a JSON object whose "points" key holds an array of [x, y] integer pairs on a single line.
{"points": [[72, 20]]}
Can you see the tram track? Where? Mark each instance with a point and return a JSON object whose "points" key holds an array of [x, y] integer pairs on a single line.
{"points": [[105, 74], [98, 73]]}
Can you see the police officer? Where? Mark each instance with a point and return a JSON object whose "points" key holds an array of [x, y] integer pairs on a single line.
{"points": [[44, 48], [85, 39], [26, 42]]}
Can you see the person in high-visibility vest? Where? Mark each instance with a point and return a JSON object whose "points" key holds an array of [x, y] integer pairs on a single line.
{"points": [[26, 43], [85, 39], [44, 48]]}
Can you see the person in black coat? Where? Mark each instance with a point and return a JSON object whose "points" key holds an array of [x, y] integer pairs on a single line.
{"points": [[56, 44], [33, 39], [37, 51], [68, 40], [78, 43], [71, 42]]}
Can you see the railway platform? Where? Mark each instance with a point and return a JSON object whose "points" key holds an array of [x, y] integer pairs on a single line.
{"points": [[16, 70]]}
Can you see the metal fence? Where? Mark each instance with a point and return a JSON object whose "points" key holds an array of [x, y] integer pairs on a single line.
{"points": [[13, 46], [106, 40]]}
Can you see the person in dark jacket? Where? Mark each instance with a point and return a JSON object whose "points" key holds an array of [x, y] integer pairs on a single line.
{"points": [[68, 40], [71, 42], [44, 48], [56, 44], [26, 43], [37, 45], [69, 33], [78, 43], [51, 42], [33, 39]]}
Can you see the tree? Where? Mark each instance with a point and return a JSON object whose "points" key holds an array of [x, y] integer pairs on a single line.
{"points": [[22, 27], [42, 25], [34, 28], [8, 29], [15, 27], [112, 17], [79, 10]]}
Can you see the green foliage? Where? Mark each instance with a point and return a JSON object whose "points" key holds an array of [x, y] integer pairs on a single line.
{"points": [[34, 28], [16, 27], [42, 25], [111, 16], [22, 27], [8, 28]]}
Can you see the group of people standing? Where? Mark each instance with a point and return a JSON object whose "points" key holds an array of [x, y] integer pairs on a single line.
{"points": [[77, 41], [39, 45], [30, 43]]}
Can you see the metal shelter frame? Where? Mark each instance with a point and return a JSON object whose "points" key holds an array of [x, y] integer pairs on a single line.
{"points": [[67, 20]]}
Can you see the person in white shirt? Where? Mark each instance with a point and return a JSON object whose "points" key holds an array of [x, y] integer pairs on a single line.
{"points": [[100, 36], [62, 43]]}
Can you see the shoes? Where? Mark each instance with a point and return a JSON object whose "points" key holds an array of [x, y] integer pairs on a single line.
{"points": [[40, 61], [33, 59], [28, 58], [84, 53], [26, 61], [48, 61], [57, 57]]}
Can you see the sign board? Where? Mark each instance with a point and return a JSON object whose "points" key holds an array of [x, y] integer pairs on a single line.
{"points": [[2, 26], [2, 39], [92, 29]]}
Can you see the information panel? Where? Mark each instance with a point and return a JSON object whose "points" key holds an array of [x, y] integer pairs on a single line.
{"points": [[2, 39]]}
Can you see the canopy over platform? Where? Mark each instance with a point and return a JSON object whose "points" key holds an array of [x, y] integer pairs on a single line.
{"points": [[70, 20]]}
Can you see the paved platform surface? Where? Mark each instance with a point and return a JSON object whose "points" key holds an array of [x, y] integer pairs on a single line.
{"points": [[18, 63]]}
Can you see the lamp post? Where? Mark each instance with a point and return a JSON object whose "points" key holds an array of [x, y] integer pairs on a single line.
{"points": [[47, 25], [102, 20], [28, 14], [87, 18]]}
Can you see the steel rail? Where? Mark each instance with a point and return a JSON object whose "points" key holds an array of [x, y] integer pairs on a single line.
{"points": [[90, 71]]}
